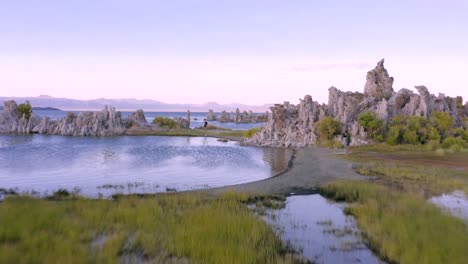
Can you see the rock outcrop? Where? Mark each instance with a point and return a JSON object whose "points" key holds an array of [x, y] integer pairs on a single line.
{"points": [[183, 122], [237, 117], [379, 84], [295, 125], [138, 117], [107, 122], [211, 115]]}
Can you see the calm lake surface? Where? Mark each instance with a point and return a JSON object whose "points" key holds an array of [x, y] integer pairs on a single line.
{"points": [[196, 118], [141, 164]]}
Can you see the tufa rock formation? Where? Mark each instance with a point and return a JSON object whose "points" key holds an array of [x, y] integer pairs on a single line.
{"points": [[107, 122], [237, 117], [183, 122], [211, 115], [379, 84], [295, 125]]}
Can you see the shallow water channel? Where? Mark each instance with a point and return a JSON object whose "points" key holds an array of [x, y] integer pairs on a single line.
{"points": [[455, 203], [97, 166], [320, 230]]}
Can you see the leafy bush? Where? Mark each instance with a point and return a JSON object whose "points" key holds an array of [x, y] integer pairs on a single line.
{"points": [[410, 137], [395, 135], [329, 128], [412, 130], [336, 144], [433, 134], [454, 143], [249, 133], [465, 122], [372, 125], [25, 110], [165, 122], [416, 122], [458, 132], [398, 120], [443, 122], [465, 135]]}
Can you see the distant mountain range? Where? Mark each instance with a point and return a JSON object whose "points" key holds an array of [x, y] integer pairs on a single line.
{"points": [[129, 104]]}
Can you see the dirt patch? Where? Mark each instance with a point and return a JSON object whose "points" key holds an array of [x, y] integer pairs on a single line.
{"points": [[311, 167]]}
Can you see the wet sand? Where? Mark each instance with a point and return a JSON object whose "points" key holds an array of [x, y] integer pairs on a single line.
{"points": [[309, 169]]}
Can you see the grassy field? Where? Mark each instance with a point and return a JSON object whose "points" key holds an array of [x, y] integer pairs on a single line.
{"points": [[175, 228], [392, 208]]}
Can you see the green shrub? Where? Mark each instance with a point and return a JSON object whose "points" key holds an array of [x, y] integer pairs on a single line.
{"points": [[443, 122], [165, 122], [416, 122], [465, 135], [433, 145], [395, 135], [410, 137], [329, 128], [25, 109], [458, 132], [434, 134], [372, 125], [398, 120], [249, 133], [454, 142], [465, 122]]}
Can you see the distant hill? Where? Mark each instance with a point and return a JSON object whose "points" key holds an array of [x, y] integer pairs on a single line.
{"points": [[46, 108], [129, 104]]}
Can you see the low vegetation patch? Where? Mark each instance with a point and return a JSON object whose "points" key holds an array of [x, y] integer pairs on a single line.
{"points": [[249, 133], [161, 228], [402, 227], [225, 133], [438, 131], [164, 122], [392, 208]]}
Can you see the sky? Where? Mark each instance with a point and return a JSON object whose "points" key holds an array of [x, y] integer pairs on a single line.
{"points": [[252, 52]]}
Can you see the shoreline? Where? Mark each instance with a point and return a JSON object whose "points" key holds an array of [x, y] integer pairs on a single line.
{"points": [[308, 169]]}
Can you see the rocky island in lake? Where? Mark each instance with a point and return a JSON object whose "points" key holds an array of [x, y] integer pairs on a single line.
{"points": [[107, 122]]}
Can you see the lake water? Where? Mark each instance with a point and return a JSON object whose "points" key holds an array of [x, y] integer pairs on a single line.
{"points": [[196, 118], [320, 230], [140, 164]]}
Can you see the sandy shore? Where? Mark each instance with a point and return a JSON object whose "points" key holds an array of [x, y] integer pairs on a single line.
{"points": [[311, 167]]}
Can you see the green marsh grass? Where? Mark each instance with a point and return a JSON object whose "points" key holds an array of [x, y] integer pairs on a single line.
{"points": [[251, 132], [162, 228], [392, 208], [402, 227], [414, 169], [225, 133]]}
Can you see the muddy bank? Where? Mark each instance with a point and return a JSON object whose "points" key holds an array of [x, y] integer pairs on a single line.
{"points": [[309, 168]]}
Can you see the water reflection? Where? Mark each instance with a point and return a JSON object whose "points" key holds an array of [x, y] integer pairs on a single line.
{"points": [[47, 163], [320, 230]]}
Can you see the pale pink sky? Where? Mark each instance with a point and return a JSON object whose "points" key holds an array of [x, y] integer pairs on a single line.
{"points": [[222, 80], [246, 51]]}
